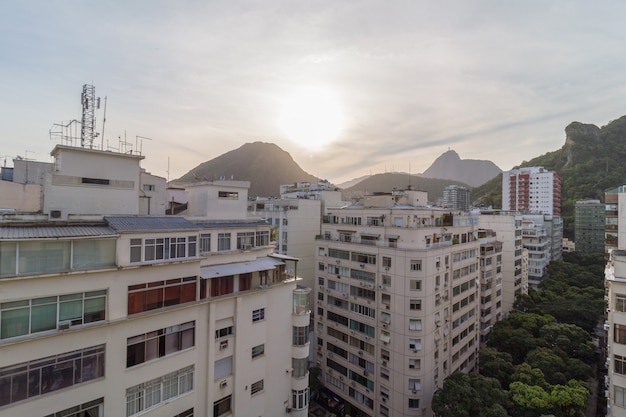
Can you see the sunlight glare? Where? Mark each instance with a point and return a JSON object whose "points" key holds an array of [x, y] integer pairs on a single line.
{"points": [[311, 117]]}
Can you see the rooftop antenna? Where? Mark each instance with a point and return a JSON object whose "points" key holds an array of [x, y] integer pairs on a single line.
{"points": [[104, 120], [88, 123], [137, 137]]}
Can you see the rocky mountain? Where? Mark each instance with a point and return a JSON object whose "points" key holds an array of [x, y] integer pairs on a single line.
{"points": [[473, 172], [388, 181], [265, 165], [591, 161]]}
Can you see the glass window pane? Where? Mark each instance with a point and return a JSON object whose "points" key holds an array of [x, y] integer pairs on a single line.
{"points": [[44, 317], [69, 310], [95, 309], [7, 258], [14, 323]]}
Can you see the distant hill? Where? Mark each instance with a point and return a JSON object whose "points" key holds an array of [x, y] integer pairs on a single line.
{"points": [[591, 161], [265, 165], [473, 172], [388, 181], [352, 182]]}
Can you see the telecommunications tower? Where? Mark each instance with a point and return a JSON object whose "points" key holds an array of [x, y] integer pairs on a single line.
{"points": [[88, 124]]}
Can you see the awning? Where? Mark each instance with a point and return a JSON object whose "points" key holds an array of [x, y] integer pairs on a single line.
{"points": [[392, 236], [260, 264], [374, 235], [385, 338]]}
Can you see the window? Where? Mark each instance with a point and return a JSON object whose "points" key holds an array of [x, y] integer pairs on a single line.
{"points": [[159, 343], [19, 318], [223, 242], [263, 238], [415, 324], [415, 344], [620, 364], [95, 181], [414, 403], [258, 315], [416, 265], [149, 187], [222, 285], [386, 262], [620, 302], [256, 387], [300, 335], [89, 409], [258, 350], [222, 407], [619, 398], [233, 195], [205, 243], [300, 367], [159, 390], [245, 240], [415, 285], [386, 280], [619, 334], [42, 376], [415, 305], [300, 399], [414, 363], [223, 367], [414, 384], [155, 249], [384, 373], [160, 294]]}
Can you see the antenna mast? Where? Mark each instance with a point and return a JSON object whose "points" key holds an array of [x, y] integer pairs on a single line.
{"points": [[90, 104]]}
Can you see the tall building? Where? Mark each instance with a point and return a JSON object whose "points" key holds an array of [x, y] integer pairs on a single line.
{"points": [[398, 303], [456, 197], [531, 189], [514, 266], [296, 219], [490, 282], [109, 307], [589, 226], [615, 283], [615, 229]]}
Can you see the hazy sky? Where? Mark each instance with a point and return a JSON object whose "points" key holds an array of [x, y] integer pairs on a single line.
{"points": [[496, 80]]}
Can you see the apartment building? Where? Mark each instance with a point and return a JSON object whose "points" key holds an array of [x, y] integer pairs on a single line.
{"points": [[514, 267], [109, 307], [531, 189], [589, 226], [398, 303], [615, 229], [456, 197], [296, 218], [490, 282]]}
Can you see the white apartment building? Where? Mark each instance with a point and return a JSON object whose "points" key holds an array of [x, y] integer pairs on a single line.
{"points": [[106, 310], [490, 282], [398, 303], [615, 381], [531, 189], [514, 269]]}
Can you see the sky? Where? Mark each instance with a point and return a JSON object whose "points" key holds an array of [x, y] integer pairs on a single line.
{"points": [[393, 84]]}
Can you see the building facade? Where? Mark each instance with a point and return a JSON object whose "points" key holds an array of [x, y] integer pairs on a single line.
{"points": [[589, 226], [398, 303], [531, 189], [456, 197], [508, 228], [107, 310]]}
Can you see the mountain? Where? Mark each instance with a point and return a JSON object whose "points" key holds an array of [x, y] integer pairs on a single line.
{"points": [[388, 181], [265, 165], [352, 182], [591, 161], [473, 172]]}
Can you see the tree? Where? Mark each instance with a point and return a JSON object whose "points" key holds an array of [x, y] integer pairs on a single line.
{"points": [[469, 395], [498, 365]]}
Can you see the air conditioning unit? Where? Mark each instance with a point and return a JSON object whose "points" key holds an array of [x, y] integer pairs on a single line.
{"points": [[365, 373], [607, 327], [414, 391], [360, 353], [353, 383], [384, 399], [56, 214], [247, 246], [361, 284], [385, 325], [386, 268], [223, 384], [384, 363], [382, 287], [64, 325], [223, 344], [345, 295]]}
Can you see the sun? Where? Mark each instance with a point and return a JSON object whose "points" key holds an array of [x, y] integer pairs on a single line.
{"points": [[311, 117]]}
